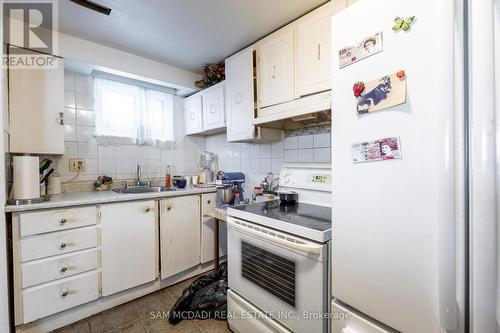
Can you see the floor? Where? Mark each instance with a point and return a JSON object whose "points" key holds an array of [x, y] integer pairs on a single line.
{"points": [[136, 317]]}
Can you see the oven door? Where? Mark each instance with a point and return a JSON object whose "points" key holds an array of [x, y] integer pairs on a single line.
{"points": [[283, 275]]}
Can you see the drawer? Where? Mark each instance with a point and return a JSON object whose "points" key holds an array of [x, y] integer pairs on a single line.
{"points": [[55, 220], [47, 299], [208, 203], [55, 243], [53, 268]]}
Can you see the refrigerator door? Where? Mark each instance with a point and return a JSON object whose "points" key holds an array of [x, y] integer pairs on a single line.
{"points": [[394, 220]]}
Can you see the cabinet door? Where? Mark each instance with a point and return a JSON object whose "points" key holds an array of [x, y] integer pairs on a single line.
{"points": [[314, 59], [36, 105], [275, 74], [129, 245], [208, 202], [179, 234], [214, 115], [240, 96], [193, 114]]}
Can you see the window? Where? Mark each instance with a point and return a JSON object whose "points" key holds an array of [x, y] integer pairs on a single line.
{"points": [[133, 113]]}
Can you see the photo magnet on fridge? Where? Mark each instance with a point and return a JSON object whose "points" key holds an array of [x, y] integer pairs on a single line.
{"points": [[368, 46], [377, 150], [383, 93]]}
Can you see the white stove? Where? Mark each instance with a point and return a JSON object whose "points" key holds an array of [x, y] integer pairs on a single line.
{"points": [[278, 257]]}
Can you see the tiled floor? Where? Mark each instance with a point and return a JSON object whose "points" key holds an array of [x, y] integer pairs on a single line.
{"points": [[135, 317]]}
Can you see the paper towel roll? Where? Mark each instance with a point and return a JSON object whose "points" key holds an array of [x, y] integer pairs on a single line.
{"points": [[26, 177]]}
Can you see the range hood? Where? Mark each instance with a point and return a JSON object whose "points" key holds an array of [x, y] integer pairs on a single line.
{"points": [[307, 111]]}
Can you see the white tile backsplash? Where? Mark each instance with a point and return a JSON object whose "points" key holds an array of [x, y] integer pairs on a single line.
{"points": [[69, 116], [69, 99], [290, 142], [84, 133], [305, 141], [85, 117], [255, 160], [69, 133], [322, 155], [322, 140], [290, 156], [84, 101]]}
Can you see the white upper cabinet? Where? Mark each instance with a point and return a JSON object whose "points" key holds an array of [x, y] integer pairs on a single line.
{"points": [[313, 54], [275, 70], [205, 111], [193, 118], [240, 96], [214, 114], [36, 106]]}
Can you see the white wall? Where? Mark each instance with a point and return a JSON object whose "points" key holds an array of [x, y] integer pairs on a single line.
{"points": [[103, 56]]}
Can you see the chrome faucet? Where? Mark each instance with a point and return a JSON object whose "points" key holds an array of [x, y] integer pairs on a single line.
{"points": [[139, 180]]}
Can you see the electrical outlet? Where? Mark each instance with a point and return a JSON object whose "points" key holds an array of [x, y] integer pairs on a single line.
{"points": [[76, 165]]}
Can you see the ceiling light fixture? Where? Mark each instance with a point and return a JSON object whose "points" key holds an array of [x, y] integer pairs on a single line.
{"points": [[93, 6]]}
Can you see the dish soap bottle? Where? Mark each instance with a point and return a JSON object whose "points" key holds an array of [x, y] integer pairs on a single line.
{"points": [[168, 178]]}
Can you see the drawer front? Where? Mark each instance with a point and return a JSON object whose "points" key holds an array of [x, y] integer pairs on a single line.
{"points": [[53, 268], [55, 220], [55, 243], [47, 299]]}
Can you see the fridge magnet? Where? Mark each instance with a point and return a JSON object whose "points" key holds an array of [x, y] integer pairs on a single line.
{"points": [[400, 23], [358, 88], [383, 93], [377, 150], [368, 46]]}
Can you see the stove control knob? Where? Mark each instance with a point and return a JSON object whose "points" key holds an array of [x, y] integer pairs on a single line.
{"points": [[286, 180]]}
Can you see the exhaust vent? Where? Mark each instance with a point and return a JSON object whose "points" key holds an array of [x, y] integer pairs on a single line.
{"points": [[93, 6]]}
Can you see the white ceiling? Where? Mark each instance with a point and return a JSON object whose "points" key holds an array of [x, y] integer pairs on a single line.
{"points": [[182, 33]]}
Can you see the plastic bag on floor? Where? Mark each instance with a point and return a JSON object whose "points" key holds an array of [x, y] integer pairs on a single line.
{"points": [[205, 298]]}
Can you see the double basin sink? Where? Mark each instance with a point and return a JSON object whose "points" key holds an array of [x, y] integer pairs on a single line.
{"points": [[142, 189]]}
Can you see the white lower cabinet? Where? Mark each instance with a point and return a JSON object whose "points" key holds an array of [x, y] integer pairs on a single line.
{"points": [[179, 234], [46, 299], [208, 202], [48, 269], [60, 262], [129, 246]]}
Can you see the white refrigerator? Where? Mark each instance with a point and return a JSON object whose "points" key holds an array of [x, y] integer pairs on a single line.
{"points": [[397, 254]]}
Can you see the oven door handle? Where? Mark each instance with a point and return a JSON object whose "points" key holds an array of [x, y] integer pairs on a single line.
{"points": [[306, 248]]}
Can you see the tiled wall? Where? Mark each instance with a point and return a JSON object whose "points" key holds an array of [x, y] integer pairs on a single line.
{"points": [[256, 160], [118, 162]]}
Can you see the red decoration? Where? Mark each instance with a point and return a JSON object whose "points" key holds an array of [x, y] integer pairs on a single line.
{"points": [[401, 74], [358, 88]]}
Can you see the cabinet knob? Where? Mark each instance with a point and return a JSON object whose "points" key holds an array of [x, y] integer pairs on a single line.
{"points": [[63, 221], [208, 202], [64, 293], [63, 245], [63, 269], [319, 51], [169, 208]]}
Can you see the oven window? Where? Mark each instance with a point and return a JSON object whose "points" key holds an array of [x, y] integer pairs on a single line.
{"points": [[269, 271]]}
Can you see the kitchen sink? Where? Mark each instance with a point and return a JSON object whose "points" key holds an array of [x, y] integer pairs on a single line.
{"points": [[142, 189]]}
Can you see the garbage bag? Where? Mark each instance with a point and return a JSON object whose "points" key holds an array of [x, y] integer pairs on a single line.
{"points": [[204, 298]]}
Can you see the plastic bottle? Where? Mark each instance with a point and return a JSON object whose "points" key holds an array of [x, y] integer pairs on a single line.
{"points": [[168, 178]]}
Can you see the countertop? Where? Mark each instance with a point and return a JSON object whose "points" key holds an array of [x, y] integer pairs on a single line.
{"points": [[92, 198]]}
